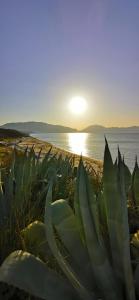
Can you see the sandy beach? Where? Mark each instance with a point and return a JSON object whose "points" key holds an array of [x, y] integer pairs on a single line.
{"points": [[45, 146]]}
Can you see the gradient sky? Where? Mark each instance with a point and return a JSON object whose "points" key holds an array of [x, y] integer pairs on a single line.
{"points": [[51, 50]]}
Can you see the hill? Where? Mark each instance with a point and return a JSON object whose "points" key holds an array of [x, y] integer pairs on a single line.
{"points": [[37, 127], [9, 133], [104, 130], [41, 127]]}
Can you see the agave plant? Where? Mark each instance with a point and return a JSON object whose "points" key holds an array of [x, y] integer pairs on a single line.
{"points": [[35, 239], [135, 185], [23, 187], [97, 264]]}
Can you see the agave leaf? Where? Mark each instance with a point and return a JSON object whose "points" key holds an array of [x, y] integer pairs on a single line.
{"points": [[136, 278], [93, 204], [113, 208], [125, 241], [28, 273], [6, 196], [81, 290], [136, 186], [77, 209], [42, 167], [98, 257], [135, 239], [103, 221], [117, 219], [3, 206], [4, 209], [22, 178], [132, 184], [127, 177], [65, 223], [135, 245], [35, 239], [51, 172]]}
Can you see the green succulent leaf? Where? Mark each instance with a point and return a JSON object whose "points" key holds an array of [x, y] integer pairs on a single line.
{"points": [[136, 278], [136, 186], [65, 223], [135, 245], [28, 273], [117, 220], [34, 236], [66, 268], [127, 177], [97, 252]]}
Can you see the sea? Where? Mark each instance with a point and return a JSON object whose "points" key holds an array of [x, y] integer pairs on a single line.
{"points": [[92, 144]]}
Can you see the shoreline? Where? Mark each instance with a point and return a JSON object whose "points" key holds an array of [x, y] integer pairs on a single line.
{"points": [[7, 144], [44, 146]]}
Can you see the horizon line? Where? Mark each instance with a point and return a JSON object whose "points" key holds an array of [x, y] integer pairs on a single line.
{"points": [[99, 125]]}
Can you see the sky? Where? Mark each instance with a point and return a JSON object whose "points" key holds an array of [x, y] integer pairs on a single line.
{"points": [[53, 50]]}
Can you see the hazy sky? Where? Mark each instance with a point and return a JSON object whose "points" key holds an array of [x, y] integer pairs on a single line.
{"points": [[52, 50]]}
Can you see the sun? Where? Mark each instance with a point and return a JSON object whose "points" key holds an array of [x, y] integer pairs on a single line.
{"points": [[78, 105]]}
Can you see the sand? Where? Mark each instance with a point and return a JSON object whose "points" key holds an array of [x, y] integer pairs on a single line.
{"points": [[24, 142], [45, 146]]}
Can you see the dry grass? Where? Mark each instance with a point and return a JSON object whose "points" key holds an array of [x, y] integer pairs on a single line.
{"points": [[5, 155]]}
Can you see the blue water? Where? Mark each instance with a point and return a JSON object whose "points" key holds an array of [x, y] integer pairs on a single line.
{"points": [[92, 145]]}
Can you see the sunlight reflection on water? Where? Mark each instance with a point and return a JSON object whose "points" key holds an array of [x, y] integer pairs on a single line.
{"points": [[92, 145], [78, 143]]}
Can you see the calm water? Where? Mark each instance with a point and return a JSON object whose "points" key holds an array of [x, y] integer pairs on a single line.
{"points": [[92, 145]]}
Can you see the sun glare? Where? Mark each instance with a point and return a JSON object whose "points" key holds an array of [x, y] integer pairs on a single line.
{"points": [[78, 143], [78, 105]]}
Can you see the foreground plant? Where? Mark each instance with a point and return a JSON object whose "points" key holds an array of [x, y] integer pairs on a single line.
{"points": [[95, 262]]}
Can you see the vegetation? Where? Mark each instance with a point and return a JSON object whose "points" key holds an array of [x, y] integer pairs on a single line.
{"points": [[8, 138], [72, 228], [10, 133]]}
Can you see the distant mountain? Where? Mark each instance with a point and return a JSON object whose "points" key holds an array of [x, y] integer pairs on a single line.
{"points": [[37, 127], [94, 128], [40, 127], [102, 129]]}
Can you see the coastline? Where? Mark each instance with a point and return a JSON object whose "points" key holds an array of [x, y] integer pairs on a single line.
{"points": [[22, 143], [44, 146]]}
